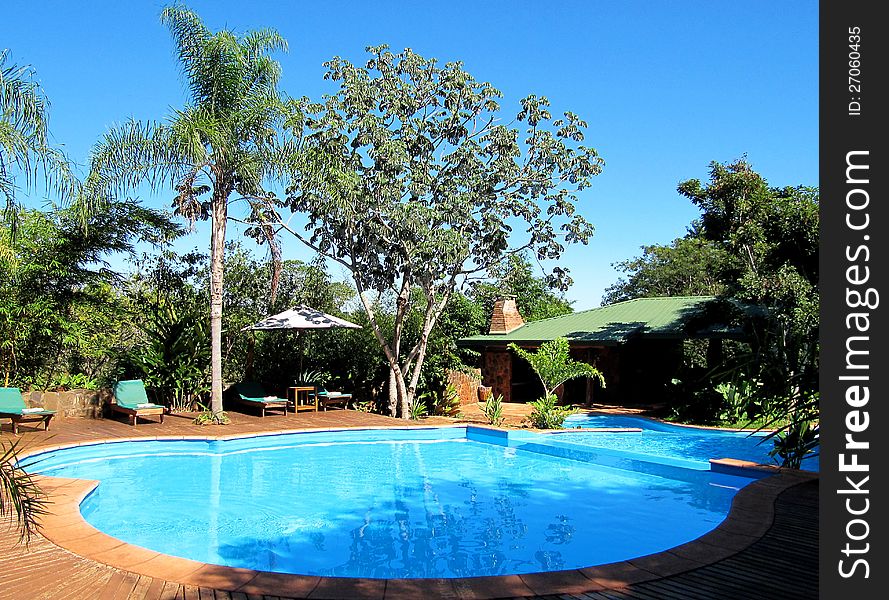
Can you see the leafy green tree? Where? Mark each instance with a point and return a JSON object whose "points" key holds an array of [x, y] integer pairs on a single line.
{"points": [[411, 183], [554, 366], [772, 235], [277, 356], [58, 306], [223, 145], [24, 137], [170, 349], [515, 277], [690, 266], [756, 244]]}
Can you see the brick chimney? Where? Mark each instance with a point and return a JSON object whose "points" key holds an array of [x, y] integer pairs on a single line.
{"points": [[505, 317]]}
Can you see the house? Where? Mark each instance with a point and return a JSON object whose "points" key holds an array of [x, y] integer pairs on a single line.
{"points": [[636, 344]]}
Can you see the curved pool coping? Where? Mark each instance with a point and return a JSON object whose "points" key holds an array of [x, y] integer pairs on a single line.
{"points": [[749, 518]]}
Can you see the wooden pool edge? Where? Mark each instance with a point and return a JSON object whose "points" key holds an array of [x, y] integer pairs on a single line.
{"points": [[750, 517]]}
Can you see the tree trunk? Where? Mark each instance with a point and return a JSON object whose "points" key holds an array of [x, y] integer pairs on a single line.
{"points": [[404, 400], [393, 394], [217, 263]]}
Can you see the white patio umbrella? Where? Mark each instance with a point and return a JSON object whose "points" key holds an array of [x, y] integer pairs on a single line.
{"points": [[300, 317]]}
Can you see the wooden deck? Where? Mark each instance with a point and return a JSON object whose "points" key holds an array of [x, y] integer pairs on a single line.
{"points": [[781, 564]]}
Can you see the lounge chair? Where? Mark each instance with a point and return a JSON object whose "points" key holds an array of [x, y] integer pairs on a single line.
{"points": [[12, 406], [325, 398], [253, 394], [130, 398]]}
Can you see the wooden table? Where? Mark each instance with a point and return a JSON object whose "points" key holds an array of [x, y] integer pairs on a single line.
{"points": [[306, 393]]}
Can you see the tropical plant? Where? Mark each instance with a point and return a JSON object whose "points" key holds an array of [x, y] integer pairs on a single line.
{"points": [[173, 360], [313, 376], [73, 381], [59, 309], [364, 406], [554, 366], [24, 138], [225, 143], [547, 414], [19, 494], [739, 400], [796, 433], [493, 410], [209, 417], [796, 442], [413, 184], [447, 403], [418, 409]]}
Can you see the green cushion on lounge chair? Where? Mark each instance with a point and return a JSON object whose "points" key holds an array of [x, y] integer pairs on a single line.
{"points": [[11, 402], [131, 394], [253, 392]]}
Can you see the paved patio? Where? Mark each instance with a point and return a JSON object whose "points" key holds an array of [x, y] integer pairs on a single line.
{"points": [[766, 548]]}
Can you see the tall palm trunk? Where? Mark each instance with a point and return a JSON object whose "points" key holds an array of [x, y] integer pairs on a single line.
{"points": [[217, 264]]}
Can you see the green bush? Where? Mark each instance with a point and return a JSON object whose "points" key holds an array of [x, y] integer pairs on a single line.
{"points": [[546, 414], [741, 402], [795, 443]]}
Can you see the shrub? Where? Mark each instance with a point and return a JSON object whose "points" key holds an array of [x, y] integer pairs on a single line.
{"points": [[797, 436], [739, 400], [208, 417], [796, 442], [546, 414], [418, 410], [447, 403]]}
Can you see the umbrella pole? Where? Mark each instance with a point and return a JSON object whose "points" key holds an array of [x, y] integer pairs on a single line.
{"points": [[300, 348]]}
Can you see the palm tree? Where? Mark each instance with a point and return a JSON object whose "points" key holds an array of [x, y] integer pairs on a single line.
{"points": [[24, 151], [223, 146], [24, 138], [19, 494]]}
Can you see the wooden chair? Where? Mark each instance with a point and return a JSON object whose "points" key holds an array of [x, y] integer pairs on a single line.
{"points": [[253, 394], [12, 406], [130, 398], [325, 398]]}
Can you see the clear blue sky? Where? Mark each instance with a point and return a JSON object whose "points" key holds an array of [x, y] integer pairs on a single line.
{"points": [[666, 86]]}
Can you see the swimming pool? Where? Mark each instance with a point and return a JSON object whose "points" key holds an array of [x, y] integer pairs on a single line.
{"points": [[437, 502], [674, 441]]}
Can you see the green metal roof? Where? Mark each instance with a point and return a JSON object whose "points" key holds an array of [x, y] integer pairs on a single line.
{"points": [[664, 317]]}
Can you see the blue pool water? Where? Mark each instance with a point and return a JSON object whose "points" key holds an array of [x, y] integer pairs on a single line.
{"points": [[662, 439], [448, 502]]}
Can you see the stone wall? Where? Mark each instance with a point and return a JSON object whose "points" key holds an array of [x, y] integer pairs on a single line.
{"points": [[466, 385], [497, 369], [89, 404]]}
